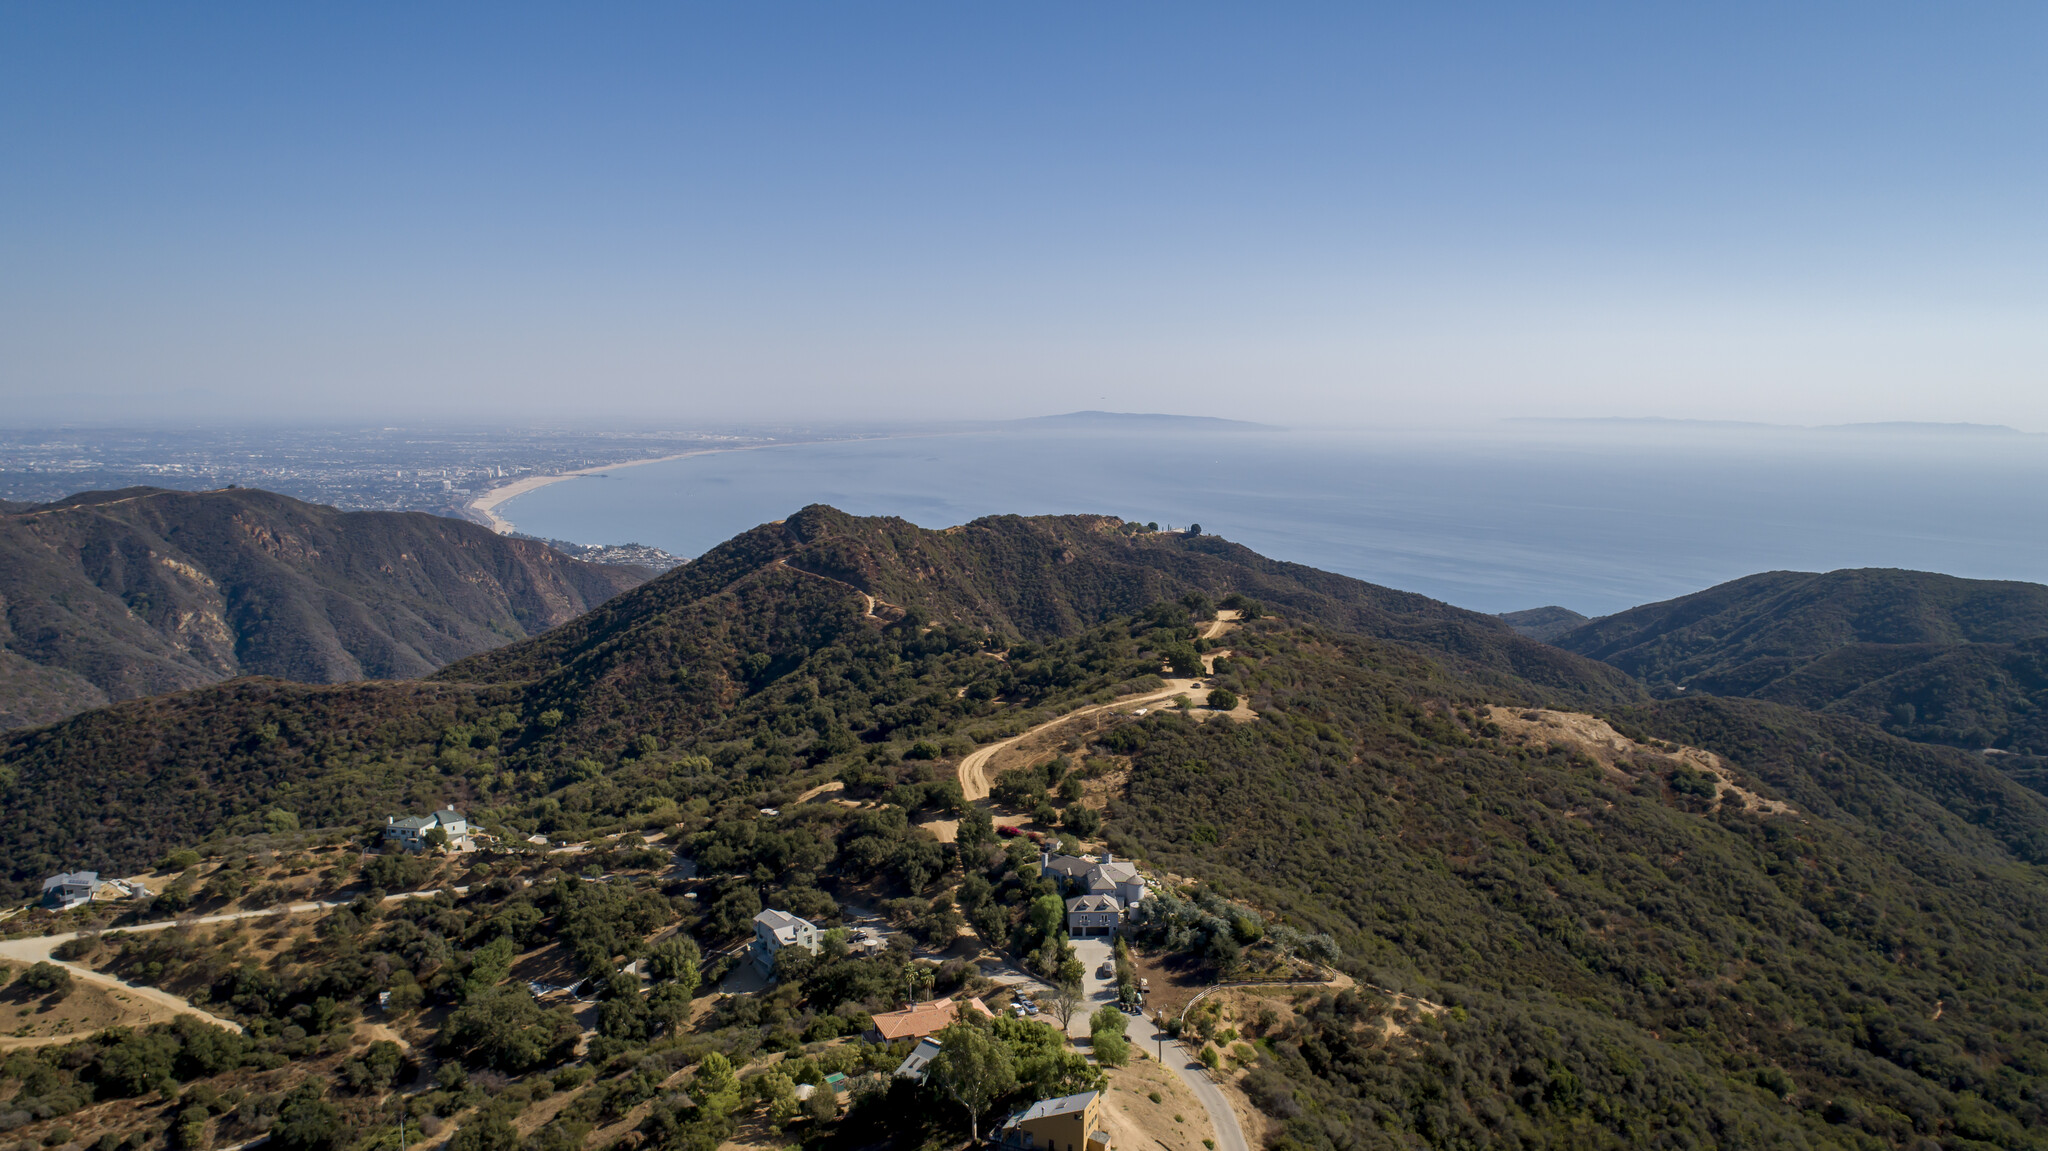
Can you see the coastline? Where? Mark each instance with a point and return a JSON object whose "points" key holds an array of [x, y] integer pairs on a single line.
{"points": [[486, 505]]}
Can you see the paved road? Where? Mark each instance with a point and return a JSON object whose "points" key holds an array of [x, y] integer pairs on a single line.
{"points": [[1229, 1135]]}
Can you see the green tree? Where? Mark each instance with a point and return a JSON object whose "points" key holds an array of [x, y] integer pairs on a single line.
{"points": [[47, 979], [277, 821], [307, 1122], [1110, 1049], [1222, 698], [406, 994], [976, 829], [973, 1069], [503, 1028], [676, 960], [715, 1075], [488, 1132], [1106, 1020]]}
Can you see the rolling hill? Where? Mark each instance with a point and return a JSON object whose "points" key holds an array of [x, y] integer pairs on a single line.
{"points": [[1828, 937], [1929, 657], [108, 596]]}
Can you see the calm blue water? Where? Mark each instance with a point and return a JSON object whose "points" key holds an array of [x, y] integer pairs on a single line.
{"points": [[1595, 520]]}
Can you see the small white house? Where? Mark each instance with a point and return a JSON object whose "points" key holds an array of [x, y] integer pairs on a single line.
{"points": [[775, 930], [410, 833], [71, 889]]}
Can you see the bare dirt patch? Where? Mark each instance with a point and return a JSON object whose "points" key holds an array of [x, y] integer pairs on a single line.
{"points": [[35, 1020], [1617, 753], [1136, 1122]]}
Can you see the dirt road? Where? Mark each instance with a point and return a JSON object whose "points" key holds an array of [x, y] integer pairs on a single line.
{"points": [[39, 949], [974, 781]]}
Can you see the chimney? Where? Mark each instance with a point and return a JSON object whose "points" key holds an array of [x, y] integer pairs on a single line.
{"points": [[1045, 859], [1108, 856], [389, 820]]}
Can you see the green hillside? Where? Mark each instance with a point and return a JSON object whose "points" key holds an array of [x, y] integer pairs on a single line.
{"points": [[1551, 941], [1929, 657], [108, 596], [758, 656]]}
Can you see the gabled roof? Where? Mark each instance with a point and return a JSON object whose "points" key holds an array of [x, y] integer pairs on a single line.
{"points": [[1064, 1105], [1093, 903], [1100, 884], [1117, 872], [1070, 866], [444, 816]]}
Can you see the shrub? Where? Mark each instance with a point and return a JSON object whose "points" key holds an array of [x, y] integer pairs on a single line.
{"points": [[1222, 698], [1111, 1049], [47, 979]]}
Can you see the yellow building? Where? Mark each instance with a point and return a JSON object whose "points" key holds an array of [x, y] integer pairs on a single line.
{"points": [[1065, 1124]]}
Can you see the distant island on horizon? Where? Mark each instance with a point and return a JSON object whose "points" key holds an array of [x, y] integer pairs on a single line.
{"points": [[1144, 420], [1904, 426]]}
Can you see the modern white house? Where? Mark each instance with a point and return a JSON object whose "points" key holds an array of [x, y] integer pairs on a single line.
{"points": [[775, 930], [919, 1060], [71, 889], [410, 833]]}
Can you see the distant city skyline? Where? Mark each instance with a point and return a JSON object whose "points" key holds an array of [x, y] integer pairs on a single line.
{"points": [[1328, 214]]}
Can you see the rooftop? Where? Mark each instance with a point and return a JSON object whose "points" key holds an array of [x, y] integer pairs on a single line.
{"points": [[1064, 1105], [923, 1018]]}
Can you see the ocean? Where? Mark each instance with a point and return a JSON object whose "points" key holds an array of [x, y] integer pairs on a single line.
{"points": [[1591, 516]]}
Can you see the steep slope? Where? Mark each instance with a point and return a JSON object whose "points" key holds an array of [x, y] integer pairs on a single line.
{"points": [[1929, 657], [114, 595], [1036, 577], [1610, 958], [1620, 963], [763, 655]]}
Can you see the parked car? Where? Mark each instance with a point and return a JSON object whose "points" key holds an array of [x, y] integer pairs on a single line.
{"points": [[1107, 970]]}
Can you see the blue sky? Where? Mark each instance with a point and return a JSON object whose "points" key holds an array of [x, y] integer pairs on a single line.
{"points": [[1341, 213]]}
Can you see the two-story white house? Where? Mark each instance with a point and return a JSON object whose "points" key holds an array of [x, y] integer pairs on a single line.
{"points": [[410, 833], [775, 930]]}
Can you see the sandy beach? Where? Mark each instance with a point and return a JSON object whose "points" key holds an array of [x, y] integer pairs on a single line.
{"points": [[486, 505]]}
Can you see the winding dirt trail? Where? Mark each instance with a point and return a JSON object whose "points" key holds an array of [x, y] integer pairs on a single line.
{"points": [[974, 782], [872, 601], [1226, 621], [39, 949]]}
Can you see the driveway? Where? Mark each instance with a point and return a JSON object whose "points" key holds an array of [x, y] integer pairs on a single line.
{"points": [[1093, 952]]}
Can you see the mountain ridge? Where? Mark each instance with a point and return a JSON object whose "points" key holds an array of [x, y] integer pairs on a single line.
{"points": [[1932, 657], [1611, 956], [115, 595]]}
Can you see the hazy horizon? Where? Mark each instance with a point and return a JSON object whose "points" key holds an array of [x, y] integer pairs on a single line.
{"points": [[1332, 215]]}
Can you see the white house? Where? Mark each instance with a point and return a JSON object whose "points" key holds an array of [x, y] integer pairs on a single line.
{"points": [[69, 890], [410, 833], [775, 930], [915, 1064]]}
